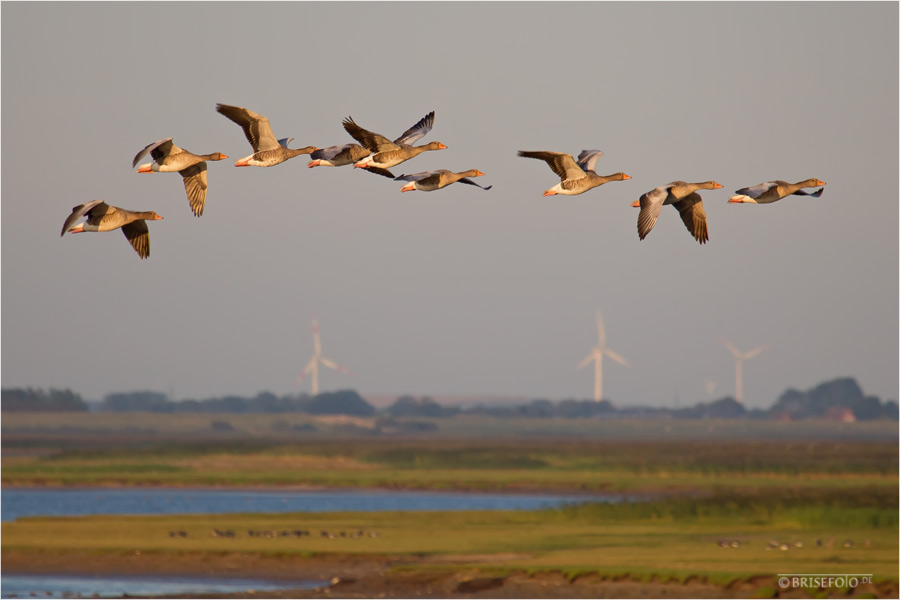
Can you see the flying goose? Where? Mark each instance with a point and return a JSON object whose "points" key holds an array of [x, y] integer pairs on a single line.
{"points": [[267, 151], [575, 177], [167, 158], [103, 217], [682, 196], [337, 156], [772, 191], [385, 153], [428, 181]]}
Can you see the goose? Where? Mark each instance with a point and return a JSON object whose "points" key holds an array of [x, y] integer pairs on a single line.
{"points": [[385, 153], [267, 151], [428, 181], [575, 177], [772, 191], [103, 217], [167, 158], [682, 196], [337, 156]]}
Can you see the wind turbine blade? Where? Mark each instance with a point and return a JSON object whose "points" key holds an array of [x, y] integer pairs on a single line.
{"points": [[587, 360], [601, 331], [617, 357], [306, 370], [732, 348], [754, 352], [317, 343], [333, 365]]}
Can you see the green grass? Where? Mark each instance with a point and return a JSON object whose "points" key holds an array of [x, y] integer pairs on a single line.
{"points": [[607, 540], [504, 464]]}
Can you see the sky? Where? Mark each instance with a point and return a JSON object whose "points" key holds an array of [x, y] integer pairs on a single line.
{"points": [[460, 291]]}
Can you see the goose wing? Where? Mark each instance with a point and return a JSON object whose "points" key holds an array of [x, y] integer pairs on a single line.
{"points": [[195, 186], [373, 142], [158, 151], [419, 176], [256, 127], [694, 216], [470, 182], [651, 205], [81, 210], [138, 235], [758, 190], [588, 159], [417, 131], [562, 164]]}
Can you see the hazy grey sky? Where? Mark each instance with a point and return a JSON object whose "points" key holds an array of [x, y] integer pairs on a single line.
{"points": [[458, 291]]}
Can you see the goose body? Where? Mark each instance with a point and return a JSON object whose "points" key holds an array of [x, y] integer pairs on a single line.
{"points": [[103, 217], [684, 197], [169, 158], [772, 191], [428, 181], [267, 150], [384, 153], [337, 156], [576, 177]]}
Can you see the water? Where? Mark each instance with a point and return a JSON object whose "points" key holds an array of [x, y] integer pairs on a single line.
{"points": [[87, 586], [25, 502]]}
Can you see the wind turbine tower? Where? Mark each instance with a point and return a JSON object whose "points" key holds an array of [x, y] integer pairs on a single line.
{"points": [[597, 355], [739, 358], [312, 367]]}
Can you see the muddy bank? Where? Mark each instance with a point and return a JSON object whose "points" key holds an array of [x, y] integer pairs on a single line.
{"points": [[352, 576]]}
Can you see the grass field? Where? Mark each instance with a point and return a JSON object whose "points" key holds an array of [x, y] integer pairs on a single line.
{"points": [[675, 539], [809, 492]]}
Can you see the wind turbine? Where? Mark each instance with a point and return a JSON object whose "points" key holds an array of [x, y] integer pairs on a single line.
{"points": [[739, 358], [312, 367], [597, 354]]}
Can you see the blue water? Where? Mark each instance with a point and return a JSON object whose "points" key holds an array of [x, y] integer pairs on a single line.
{"points": [[26, 502], [77, 586]]}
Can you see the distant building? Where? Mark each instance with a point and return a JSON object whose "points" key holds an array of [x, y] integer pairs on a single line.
{"points": [[839, 414]]}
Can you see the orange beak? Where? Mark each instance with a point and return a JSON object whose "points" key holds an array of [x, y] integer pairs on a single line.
{"points": [[717, 186], [819, 182], [636, 204], [145, 169], [242, 163], [441, 146], [549, 193], [626, 176], [478, 173]]}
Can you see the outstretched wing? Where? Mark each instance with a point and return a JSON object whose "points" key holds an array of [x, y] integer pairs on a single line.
{"points": [[256, 127], [195, 186], [84, 209], [373, 142], [562, 164], [757, 190], [651, 205], [417, 131], [694, 216], [138, 235], [158, 150], [588, 159], [470, 182], [417, 176]]}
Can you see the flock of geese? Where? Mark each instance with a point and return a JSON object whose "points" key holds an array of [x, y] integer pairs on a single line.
{"points": [[377, 154]]}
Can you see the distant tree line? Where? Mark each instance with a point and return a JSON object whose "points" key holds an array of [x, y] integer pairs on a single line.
{"points": [[31, 400], [840, 399]]}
